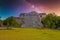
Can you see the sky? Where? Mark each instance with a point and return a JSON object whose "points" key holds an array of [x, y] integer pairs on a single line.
{"points": [[15, 7]]}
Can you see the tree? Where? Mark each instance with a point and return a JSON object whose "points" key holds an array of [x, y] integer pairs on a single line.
{"points": [[0, 17], [50, 21], [1, 24], [58, 22], [11, 22]]}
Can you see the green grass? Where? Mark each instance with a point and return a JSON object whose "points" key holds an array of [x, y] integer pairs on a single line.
{"points": [[29, 34]]}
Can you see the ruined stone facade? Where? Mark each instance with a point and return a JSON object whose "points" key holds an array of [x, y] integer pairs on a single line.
{"points": [[32, 19]]}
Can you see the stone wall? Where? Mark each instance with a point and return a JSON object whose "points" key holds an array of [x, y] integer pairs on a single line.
{"points": [[32, 19]]}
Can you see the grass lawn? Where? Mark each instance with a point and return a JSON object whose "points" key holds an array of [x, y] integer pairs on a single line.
{"points": [[29, 34]]}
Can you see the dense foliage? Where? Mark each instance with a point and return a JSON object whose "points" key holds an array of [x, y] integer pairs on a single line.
{"points": [[11, 22], [1, 23], [51, 21]]}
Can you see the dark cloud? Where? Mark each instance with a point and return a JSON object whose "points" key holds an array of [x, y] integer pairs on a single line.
{"points": [[6, 2], [44, 2], [9, 3]]}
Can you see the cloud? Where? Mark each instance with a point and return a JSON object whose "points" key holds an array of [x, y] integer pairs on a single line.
{"points": [[44, 2], [8, 3]]}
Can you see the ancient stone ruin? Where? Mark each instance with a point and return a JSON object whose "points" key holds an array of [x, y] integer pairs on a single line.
{"points": [[32, 19]]}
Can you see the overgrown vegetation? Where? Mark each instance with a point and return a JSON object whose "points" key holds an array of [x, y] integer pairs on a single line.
{"points": [[10, 22], [49, 21], [1, 23]]}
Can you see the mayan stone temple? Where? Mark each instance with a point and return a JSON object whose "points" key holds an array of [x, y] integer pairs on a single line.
{"points": [[32, 19]]}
